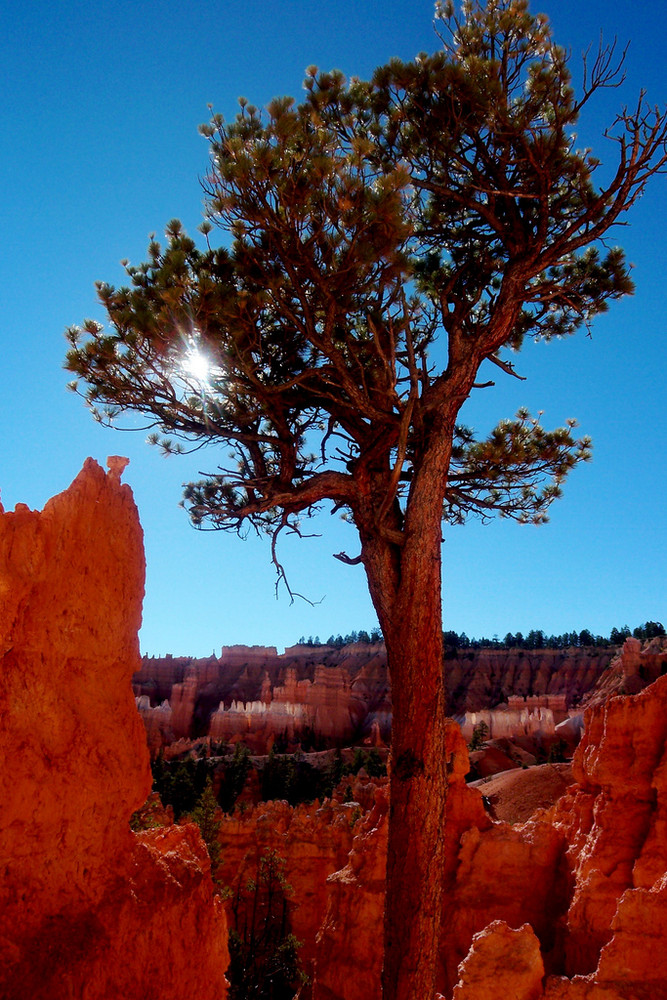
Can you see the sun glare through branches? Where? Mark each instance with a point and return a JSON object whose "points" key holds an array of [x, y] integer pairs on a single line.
{"points": [[196, 365]]}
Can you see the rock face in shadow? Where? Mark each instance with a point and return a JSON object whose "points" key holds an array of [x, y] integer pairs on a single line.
{"points": [[586, 877], [314, 842], [88, 910]]}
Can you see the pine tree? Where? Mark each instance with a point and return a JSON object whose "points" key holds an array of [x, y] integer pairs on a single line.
{"points": [[480, 734], [389, 236], [207, 816], [236, 772], [264, 962]]}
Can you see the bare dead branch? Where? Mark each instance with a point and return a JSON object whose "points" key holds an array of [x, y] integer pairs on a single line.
{"points": [[506, 366], [348, 560]]}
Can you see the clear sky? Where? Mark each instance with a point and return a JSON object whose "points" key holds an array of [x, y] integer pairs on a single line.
{"points": [[99, 148]]}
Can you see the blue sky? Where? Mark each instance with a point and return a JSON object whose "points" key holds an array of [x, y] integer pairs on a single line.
{"points": [[99, 148]]}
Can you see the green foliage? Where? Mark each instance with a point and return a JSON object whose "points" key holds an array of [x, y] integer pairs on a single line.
{"points": [[182, 784], [206, 816], [354, 816], [278, 777], [263, 952], [557, 752], [293, 779], [506, 473], [179, 784], [338, 641], [369, 760], [375, 766], [140, 822], [537, 639], [649, 630], [234, 776], [147, 817], [480, 735], [333, 774]]}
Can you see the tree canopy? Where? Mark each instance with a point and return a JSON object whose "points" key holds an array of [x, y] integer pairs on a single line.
{"points": [[386, 237]]}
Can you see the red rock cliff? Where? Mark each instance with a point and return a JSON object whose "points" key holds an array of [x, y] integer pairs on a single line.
{"points": [[88, 910], [611, 940]]}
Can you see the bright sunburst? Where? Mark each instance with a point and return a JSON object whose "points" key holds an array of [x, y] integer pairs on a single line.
{"points": [[197, 365]]}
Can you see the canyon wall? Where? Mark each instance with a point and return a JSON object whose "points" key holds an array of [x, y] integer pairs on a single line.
{"points": [[637, 665], [535, 716], [88, 910], [337, 695]]}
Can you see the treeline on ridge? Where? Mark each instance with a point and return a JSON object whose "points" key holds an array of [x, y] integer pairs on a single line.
{"points": [[535, 639]]}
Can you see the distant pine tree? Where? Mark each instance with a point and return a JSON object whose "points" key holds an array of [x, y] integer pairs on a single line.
{"points": [[206, 815]]}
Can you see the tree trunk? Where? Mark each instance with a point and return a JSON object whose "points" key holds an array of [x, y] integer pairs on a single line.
{"points": [[412, 627], [418, 784], [402, 559]]}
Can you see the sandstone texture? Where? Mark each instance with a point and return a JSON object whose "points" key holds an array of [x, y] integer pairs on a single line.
{"points": [[631, 670], [615, 824], [516, 794], [348, 960], [486, 678], [502, 962], [88, 910]]}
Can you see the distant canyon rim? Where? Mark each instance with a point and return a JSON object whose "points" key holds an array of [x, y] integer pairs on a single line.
{"points": [[342, 695]]}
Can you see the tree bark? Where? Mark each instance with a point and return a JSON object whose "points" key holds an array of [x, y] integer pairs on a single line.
{"points": [[411, 621]]}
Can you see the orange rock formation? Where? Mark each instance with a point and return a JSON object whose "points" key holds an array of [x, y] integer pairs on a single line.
{"points": [[88, 910], [634, 667], [615, 825], [348, 960], [503, 962]]}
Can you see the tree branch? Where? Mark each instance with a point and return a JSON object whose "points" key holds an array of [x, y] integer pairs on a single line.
{"points": [[506, 366]]}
